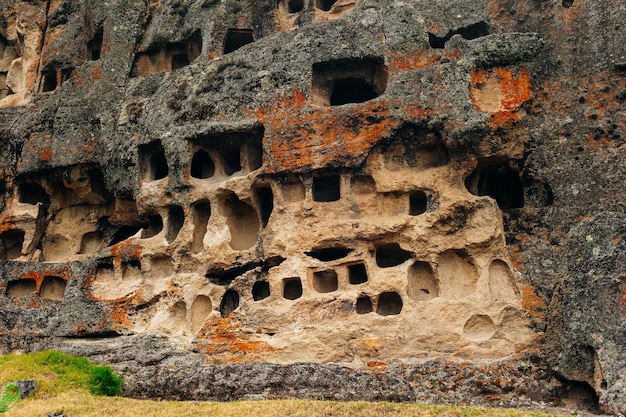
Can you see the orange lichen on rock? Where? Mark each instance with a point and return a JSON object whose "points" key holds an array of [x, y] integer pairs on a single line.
{"points": [[61, 272], [220, 336], [376, 365], [531, 302], [422, 59]]}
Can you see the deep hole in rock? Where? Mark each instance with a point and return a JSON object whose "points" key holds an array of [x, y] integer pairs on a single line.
{"points": [[422, 284], [260, 290], [155, 226], [200, 310], [32, 193], [179, 61], [202, 166], [364, 305], [325, 281], [94, 46], [265, 201], [473, 31], [236, 38], [243, 223], [52, 288], [12, 242], [325, 5], [418, 202], [357, 273], [230, 302], [253, 155], [201, 213], [500, 182], [124, 233], [348, 81], [232, 160], [152, 161], [295, 6], [389, 303], [167, 57], [329, 254], [567, 3], [48, 80], [292, 288], [21, 287], [222, 276], [327, 188], [391, 254], [175, 221]]}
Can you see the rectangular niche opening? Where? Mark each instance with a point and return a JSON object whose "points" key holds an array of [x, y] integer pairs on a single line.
{"points": [[357, 273], [292, 288], [95, 45], [21, 287], [325, 5], [236, 38], [294, 6], [52, 288], [260, 290], [327, 188], [152, 161], [48, 80], [265, 203], [325, 281], [418, 202], [11, 243], [292, 188], [348, 81]]}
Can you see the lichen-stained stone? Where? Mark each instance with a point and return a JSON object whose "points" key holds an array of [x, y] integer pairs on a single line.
{"points": [[346, 199]]}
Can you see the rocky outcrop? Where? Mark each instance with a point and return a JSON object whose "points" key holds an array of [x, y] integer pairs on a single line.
{"points": [[381, 190]]}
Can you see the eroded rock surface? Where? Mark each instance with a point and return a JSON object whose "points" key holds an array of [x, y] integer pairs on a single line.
{"points": [[264, 195]]}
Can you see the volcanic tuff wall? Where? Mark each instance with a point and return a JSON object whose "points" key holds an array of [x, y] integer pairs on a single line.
{"points": [[425, 198]]}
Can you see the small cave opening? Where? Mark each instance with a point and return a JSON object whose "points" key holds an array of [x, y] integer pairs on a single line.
{"points": [[94, 46], [253, 155], [422, 284], [327, 188], [48, 80], [11, 243], [265, 202], [200, 310], [325, 5], [391, 254], [295, 6], [152, 161], [389, 304], [292, 288], [325, 281], [32, 193], [124, 233], [340, 82], [21, 287], [175, 221], [52, 288], [500, 182], [201, 213], [357, 273], [221, 276], [243, 223], [364, 305], [236, 38], [229, 303], [260, 290], [179, 61], [202, 165], [155, 226], [329, 254], [232, 160], [418, 203], [474, 31]]}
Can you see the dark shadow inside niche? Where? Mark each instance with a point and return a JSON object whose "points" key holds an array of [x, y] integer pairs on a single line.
{"points": [[473, 31], [123, 233], [325, 281], [167, 57], [32, 193], [11, 243], [52, 288], [229, 303], [418, 203], [232, 161], [202, 165], [66, 74], [348, 81], [499, 181], [236, 38], [292, 288], [48, 80], [364, 305], [294, 6], [265, 203], [391, 254], [175, 220], [179, 61], [152, 161], [325, 5], [357, 273], [415, 147], [260, 290], [155, 226], [21, 287], [222, 276], [567, 3], [329, 254], [201, 213], [389, 303], [327, 188], [94, 46]]}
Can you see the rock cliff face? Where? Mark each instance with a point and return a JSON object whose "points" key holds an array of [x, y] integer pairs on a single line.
{"points": [[401, 200]]}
